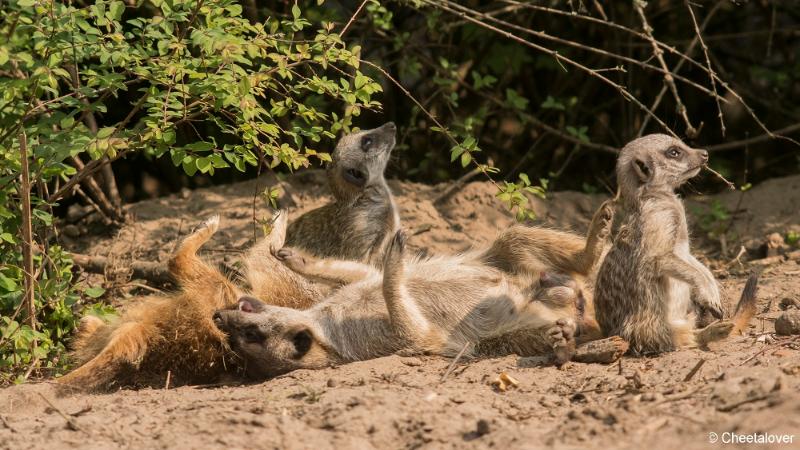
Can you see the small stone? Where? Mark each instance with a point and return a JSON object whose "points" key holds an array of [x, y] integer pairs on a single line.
{"points": [[788, 303], [332, 383], [482, 427], [775, 245], [788, 323]]}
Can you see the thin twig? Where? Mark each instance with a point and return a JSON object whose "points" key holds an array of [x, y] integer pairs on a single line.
{"points": [[588, 48], [711, 73], [352, 18], [691, 131], [719, 175], [454, 362], [27, 234], [753, 140], [71, 424], [694, 370], [457, 185], [482, 167], [679, 65], [559, 57]]}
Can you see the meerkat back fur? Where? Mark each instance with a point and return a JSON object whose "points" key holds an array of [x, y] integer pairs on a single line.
{"points": [[649, 278]]}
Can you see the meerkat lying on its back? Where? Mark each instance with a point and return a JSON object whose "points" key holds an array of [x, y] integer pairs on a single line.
{"points": [[649, 278], [436, 305], [174, 333], [363, 215], [519, 252]]}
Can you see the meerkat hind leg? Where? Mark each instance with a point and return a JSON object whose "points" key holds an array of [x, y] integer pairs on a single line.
{"points": [[715, 331], [325, 270], [562, 339], [184, 264], [599, 230]]}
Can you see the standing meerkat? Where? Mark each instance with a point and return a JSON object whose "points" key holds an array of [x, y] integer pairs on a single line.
{"points": [[363, 214], [647, 281]]}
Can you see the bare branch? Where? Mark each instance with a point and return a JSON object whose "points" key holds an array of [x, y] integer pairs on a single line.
{"points": [[711, 73]]}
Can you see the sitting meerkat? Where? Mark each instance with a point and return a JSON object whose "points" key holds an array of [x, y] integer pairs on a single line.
{"points": [[174, 333], [363, 214], [648, 279], [436, 305]]}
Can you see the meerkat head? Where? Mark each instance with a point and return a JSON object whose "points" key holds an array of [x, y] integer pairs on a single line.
{"points": [[657, 161], [558, 295], [360, 159], [273, 340]]}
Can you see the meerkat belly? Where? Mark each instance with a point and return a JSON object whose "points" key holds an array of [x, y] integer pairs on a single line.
{"points": [[356, 322], [680, 292]]}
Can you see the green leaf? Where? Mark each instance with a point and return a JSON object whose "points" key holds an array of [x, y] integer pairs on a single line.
{"points": [[466, 158], [94, 292], [7, 283], [67, 122], [295, 11], [552, 103], [105, 132], [115, 10], [203, 164], [455, 152]]}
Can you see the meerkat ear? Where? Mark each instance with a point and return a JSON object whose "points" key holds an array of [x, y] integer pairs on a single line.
{"points": [[643, 170]]}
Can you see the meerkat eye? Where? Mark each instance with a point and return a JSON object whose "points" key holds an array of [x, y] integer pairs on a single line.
{"points": [[673, 152], [366, 143], [253, 336]]}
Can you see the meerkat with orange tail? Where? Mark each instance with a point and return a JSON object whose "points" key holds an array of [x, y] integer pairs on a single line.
{"points": [[649, 278], [174, 333]]}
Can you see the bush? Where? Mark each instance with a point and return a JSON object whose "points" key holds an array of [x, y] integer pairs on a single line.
{"points": [[191, 80]]}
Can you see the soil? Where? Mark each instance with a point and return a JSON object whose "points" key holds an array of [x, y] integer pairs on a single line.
{"points": [[747, 384]]}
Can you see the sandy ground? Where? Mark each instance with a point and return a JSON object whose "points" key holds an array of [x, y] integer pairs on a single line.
{"points": [[749, 384]]}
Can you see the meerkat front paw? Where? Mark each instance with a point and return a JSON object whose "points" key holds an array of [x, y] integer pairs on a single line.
{"points": [[709, 298], [291, 259], [561, 337]]}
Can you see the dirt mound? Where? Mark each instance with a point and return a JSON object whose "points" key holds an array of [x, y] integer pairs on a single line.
{"points": [[747, 386]]}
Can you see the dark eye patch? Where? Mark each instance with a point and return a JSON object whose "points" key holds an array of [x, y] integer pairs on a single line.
{"points": [[302, 343], [252, 335], [366, 143]]}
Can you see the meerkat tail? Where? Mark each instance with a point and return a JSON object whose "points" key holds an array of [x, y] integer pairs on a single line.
{"points": [[746, 308], [128, 344], [745, 311]]}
